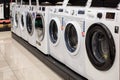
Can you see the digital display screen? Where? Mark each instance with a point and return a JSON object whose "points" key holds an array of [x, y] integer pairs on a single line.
{"points": [[110, 15], [81, 12], [60, 10]]}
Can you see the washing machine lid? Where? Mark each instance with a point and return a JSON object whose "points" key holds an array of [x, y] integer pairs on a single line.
{"points": [[73, 37], [105, 3], [55, 31], [40, 26], [29, 24], [100, 46]]}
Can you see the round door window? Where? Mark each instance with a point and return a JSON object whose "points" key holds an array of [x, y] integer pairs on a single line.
{"points": [[53, 31], [71, 37], [22, 20], [39, 26], [29, 23], [100, 47], [16, 20]]}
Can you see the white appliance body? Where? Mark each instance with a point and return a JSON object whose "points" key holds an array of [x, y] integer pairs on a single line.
{"points": [[30, 24], [15, 24], [102, 44], [1, 11], [12, 16], [56, 36], [22, 19], [73, 38], [41, 28]]}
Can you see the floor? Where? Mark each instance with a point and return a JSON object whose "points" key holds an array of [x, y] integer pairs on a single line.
{"points": [[17, 63]]}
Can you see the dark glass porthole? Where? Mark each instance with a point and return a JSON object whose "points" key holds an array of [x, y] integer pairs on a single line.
{"points": [[22, 20], [29, 23], [53, 31], [39, 26], [71, 37], [100, 47], [16, 19]]}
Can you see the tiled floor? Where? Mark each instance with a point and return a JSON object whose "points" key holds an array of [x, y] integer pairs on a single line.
{"points": [[16, 63]]}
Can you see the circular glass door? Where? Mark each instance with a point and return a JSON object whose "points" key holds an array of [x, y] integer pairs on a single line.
{"points": [[29, 23], [53, 31], [22, 20], [71, 38], [11, 17], [40, 27], [100, 47], [16, 20]]}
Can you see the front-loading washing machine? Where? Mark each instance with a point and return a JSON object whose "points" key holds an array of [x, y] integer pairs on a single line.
{"points": [[74, 21], [102, 41], [42, 25], [12, 16], [24, 9], [56, 39], [30, 22], [16, 15]]}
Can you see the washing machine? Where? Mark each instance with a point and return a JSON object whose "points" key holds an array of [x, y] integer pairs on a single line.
{"points": [[30, 22], [42, 24], [12, 16], [102, 41], [16, 18], [15, 24], [73, 37], [41, 27], [56, 36], [24, 9]]}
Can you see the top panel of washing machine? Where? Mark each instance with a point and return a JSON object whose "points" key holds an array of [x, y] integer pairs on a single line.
{"points": [[77, 2], [105, 3]]}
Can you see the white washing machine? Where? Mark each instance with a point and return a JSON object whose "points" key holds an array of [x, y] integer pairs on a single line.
{"points": [[56, 39], [1, 11], [42, 25], [74, 36], [30, 22], [12, 16], [41, 28], [24, 9], [102, 42], [16, 22]]}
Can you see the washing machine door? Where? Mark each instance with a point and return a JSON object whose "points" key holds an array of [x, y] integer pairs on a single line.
{"points": [[100, 46], [22, 22], [40, 26], [73, 36], [29, 24], [16, 20], [55, 31]]}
